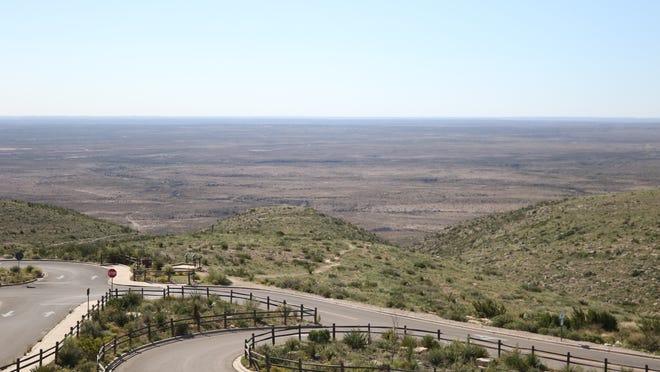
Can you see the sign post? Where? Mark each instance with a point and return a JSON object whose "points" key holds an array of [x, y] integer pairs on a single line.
{"points": [[19, 257], [111, 274], [562, 315], [87, 301]]}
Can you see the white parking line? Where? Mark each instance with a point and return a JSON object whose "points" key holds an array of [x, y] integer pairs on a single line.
{"points": [[60, 277], [94, 277], [8, 314], [48, 314]]}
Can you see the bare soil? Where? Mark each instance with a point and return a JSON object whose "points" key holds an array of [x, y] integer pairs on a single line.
{"points": [[399, 178]]}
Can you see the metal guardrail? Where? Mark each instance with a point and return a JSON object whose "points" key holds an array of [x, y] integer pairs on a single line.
{"points": [[495, 348]]}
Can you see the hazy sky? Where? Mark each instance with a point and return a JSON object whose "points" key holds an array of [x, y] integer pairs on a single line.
{"points": [[330, 58]]}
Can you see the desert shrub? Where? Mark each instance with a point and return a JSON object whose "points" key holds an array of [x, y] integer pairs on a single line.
{"points": [[181, 329], [502, 320], [429, 342], [120, 318], [130, 300], [436, 357], [321, 336], [650, 334], [90, 346], [91, 329], [70, 353], [603, 318], [409, 342], [488, 308], [580, 318], [459, 352], [48, 368], [515, 361], [291, 345], [355, 339], [217, 277], [86, 366]]}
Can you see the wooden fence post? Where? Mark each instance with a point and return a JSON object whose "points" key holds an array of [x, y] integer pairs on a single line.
{"points": [[333, 331], [114, 345], [272, 335], [18, 364], [231, 296], [605, 366], [302, 312], [57, 349], [299, 332], [300, 365], [172, 327], [369, 332], [439, 335], [499, 348], [268, 303], [568, 359], [316, 315], [41, 357]]}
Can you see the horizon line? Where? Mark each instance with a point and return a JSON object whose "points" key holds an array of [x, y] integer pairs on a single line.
{"points": [[363, 117]]}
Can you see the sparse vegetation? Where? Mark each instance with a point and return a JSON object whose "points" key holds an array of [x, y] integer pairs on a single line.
{"points": [[520, 258], [18, 275], [391, 349]]}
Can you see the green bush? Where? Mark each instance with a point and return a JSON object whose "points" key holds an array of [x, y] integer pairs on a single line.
{"points": [[429, 342], [48, 368], [181, 329], [321, 336], [217, 277], [355, 339], [70, 353], [604, 319], [91, 328], [488, 308]]}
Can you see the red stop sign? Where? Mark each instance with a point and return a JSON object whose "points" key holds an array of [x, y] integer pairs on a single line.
{"points": [[112, 273]]}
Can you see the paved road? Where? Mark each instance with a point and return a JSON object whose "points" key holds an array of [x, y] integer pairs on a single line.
{"points": [[218, 351], [28, 312]]}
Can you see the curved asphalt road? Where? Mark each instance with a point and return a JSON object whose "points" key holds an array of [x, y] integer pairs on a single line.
{"points": [[28, 312], [216, 352]]}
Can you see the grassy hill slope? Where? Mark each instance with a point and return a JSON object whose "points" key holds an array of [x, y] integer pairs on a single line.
{"points": [[26, 225], [601, 247], [479, 268]]}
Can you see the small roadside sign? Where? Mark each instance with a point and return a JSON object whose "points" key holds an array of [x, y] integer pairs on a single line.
{"points": [[19, 256], [562, 315], [112, 273]]}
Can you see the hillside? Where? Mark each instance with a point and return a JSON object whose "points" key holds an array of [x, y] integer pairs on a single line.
{"points": [[26, 225], [602, 247], [511, 284]]}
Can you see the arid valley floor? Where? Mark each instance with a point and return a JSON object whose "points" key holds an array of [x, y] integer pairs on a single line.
{"points": [[402, 178]]}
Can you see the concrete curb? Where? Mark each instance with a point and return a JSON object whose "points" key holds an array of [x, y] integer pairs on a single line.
{"points": [[21, 283], [238, 366]]}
